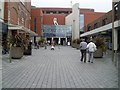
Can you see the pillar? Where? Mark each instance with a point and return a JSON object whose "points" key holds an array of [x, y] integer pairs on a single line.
{"points": [[66, 39], [59, 41], [52, 39], [115, 39]]}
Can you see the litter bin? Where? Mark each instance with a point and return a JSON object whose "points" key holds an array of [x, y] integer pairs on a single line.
{"points": [[29, 50]]}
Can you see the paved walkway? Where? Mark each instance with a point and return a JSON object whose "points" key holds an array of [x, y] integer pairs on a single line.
{"points": [[60, 68]]}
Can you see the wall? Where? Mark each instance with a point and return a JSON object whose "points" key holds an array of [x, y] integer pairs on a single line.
{"points": [[90, 17], [73, 19], [99, 20], [37, 13], [1, 10], [17, 13]]}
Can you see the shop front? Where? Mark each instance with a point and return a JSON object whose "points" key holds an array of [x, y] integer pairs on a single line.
{"points": [[57, 33]]}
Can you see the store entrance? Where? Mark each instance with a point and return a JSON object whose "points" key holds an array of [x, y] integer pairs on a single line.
{"points": [[49, 40], [63, 41], [56, 41]]}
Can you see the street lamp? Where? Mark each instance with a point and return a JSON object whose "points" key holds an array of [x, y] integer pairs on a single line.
{"points": [[114, 12], [113, 57]]}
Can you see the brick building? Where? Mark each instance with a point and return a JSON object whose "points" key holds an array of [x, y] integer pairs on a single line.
{"points": [[103, 26], [90, 17], [46, 15], [18, 16]]}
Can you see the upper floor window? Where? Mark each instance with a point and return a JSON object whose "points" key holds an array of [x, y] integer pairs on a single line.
{"points": [[89, 28], [95, 25], [104, 21]]}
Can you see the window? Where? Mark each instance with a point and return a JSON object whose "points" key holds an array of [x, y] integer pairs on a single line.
{"points": [[95, 25], [89, 28], [104, 22], [35, 24], [81, 22]]}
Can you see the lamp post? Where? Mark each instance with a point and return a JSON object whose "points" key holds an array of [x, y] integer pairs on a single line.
{"points": [[114, 32], [113, 57]]}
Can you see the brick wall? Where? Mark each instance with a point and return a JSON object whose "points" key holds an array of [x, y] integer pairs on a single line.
{"points": [[101, 21], [36, 13], [18, 13]]}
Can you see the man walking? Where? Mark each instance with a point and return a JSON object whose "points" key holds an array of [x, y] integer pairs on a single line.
{"points": [[83, 46], [91, 49]]}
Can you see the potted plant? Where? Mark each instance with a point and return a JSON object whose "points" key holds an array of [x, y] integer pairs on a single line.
{"points": [[41, 42], [101, 47], [76, 43], [17, 46]]}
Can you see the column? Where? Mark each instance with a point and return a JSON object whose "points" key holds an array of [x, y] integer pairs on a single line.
{"points": [[115, 39], [66, 40], [115, 46], [59, 41], [52, 39]]}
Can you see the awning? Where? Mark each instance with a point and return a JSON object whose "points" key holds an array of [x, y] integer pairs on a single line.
{"points": [[101, 29], [22, 28]]}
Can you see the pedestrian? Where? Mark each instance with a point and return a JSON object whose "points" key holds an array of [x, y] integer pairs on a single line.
{"points": [[91, 49], [83, 47], [59, 44], [53, 45], [45, 44]]}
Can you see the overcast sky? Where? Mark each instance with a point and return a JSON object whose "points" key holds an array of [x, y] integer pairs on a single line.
{"points": [[98, 5]]}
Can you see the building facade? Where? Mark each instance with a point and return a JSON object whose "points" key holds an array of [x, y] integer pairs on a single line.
{"points": [[18, 17], [103, 26], [18, 13], [45, 16]]}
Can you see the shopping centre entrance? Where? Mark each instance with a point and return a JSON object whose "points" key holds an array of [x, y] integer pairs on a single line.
{"points": [[57, 33]]}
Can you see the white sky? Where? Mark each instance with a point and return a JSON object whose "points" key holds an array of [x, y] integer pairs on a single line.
{"points": [[98, 5]]}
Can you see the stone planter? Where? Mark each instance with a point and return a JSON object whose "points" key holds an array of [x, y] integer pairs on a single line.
{"points": [[75, 45], [98, 53], [16, 52], [41, 44]]}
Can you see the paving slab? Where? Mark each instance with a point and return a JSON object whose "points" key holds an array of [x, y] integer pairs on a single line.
{"points": [[59, 68]]}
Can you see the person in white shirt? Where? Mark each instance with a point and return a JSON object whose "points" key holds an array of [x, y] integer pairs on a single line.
{"points": [[91, 49]]}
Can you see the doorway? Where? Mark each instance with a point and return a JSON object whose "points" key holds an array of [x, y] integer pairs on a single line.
{"points": [[56, 41], [63, 42]]}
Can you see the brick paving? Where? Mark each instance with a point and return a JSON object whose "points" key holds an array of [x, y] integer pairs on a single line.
{"points": [[59, 68]]}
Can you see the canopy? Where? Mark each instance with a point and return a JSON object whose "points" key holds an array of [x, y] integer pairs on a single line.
{"points": [[22, 28], [101, 29]]}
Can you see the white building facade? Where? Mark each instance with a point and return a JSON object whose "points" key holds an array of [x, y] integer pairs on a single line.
{"points": [[74, 20]]}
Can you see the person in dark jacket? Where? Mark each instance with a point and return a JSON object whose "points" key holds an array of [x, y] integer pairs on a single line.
{"points": [[83, 47]]}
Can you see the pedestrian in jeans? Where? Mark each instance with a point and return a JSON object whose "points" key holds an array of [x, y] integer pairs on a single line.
{"points": [[83, 46], [91, 49]]}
